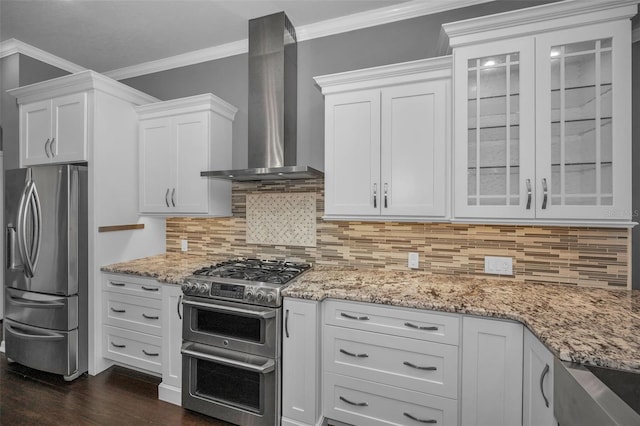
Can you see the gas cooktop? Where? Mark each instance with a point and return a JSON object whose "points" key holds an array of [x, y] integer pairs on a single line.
{"points": [[252, 281]]}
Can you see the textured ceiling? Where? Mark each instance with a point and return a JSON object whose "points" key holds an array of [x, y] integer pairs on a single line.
{"points": [[112, 34]]}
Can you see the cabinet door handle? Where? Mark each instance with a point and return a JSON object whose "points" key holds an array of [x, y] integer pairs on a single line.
{"points": [[286, 323], [430, 421], [528, 194], [153, 317], [118, 311], [544, 192], [375, 195], [363, 318], [173, 197], [53, 154], [417, 367], [418, 327], [357, 404], [386, 190], [354, 355], [117, 283], [178, 307], [150, 353], [46, 147], [166, 197], [115, 345], [150, 288], [545, 371]]}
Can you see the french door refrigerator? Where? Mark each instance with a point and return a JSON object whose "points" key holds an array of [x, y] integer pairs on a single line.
{"points": [[45, 322]]}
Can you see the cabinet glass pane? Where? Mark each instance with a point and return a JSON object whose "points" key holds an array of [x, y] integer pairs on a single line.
{"points": [[581, 119], [493, 107]]}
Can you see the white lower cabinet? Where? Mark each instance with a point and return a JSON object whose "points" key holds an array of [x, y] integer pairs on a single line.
{"points": [[170, 388], [131, 322], [537, 386], [300, 363], [387, 365], [491, 372]]}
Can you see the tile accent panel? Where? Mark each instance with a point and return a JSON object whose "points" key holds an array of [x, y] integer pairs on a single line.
{"points": [[594, 257]]}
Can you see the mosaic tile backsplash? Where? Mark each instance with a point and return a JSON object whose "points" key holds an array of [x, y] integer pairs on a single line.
{"points": [[596, 257]]}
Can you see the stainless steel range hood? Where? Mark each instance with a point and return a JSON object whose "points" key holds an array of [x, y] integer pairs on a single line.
{"points": [[273, 91]]}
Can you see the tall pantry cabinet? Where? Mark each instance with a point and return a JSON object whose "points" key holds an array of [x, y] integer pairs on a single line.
{"points": [[542, 118]]}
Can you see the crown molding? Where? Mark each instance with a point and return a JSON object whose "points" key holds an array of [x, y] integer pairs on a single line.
{"points": [[385, 15], [182, 60], [420, 70], [79, 82], [553, 16], [12, 45], [203, 102]]}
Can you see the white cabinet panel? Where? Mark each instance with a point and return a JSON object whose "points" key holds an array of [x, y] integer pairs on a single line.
{"points": [[537, 386], [192, 142], [36, 129], [157, 171], [491, 372], [70, 128], [170, 389], [300, 363]]}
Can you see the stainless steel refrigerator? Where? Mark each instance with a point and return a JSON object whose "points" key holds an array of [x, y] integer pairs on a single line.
{"points": [[45, 322]]}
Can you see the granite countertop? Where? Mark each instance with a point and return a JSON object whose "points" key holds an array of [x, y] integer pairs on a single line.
{"points": [[587, 325]]}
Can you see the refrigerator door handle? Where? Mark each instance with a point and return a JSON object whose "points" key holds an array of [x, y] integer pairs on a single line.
{"points": [[46, 304], [37, 234], [22, 228], [11, 248]]}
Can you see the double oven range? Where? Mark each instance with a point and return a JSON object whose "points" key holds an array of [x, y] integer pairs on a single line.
{"points": [[231, 331]]}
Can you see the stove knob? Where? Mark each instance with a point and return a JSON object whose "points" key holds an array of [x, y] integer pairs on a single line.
{"points": [[202, 288], [185, 287], [249, 295], [271, 298], [259, 295]]}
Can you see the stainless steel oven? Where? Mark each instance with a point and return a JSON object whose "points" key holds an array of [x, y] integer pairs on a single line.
{"points": [[231, 333]]}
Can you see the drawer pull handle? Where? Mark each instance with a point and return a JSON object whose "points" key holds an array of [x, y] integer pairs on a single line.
{"points": [[417, 367], [364, 318], [117, 284], [357, 404], [115, 345], [118, 311], [150, 288], [431, 421], [418, 327], [150, 353], [153, 317], [354, 355], [545, 371]]}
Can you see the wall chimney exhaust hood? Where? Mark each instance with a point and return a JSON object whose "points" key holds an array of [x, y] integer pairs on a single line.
{"points": [[272, 109]]}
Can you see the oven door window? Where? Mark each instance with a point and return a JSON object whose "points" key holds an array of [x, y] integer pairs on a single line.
{"points": [[231, 385], [230, 325]]}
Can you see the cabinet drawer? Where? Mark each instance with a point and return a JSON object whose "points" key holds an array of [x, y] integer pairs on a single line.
{"points": [[413, 323], [132, 348], [132, 285], [360, 402], [135, 313], [407, 363]]}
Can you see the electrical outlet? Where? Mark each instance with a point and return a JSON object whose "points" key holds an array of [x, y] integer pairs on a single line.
{"points": [[184, 245], [413, 260], [498, 265]]}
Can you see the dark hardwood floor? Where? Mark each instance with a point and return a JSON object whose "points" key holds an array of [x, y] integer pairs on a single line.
{"points": [[117, 396]]}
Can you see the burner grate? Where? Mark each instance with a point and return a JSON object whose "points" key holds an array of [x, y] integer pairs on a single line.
{"points": [[268, 271]]}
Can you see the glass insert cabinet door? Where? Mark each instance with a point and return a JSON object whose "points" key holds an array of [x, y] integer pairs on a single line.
{"points": [[582, 90], [494, 134]]}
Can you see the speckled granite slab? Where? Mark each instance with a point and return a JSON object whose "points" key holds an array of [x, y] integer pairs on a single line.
{"points": [[590, 326], [586, 325]]}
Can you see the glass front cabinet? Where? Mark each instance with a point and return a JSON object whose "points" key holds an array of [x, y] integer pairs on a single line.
{"points": [[543, 122]]}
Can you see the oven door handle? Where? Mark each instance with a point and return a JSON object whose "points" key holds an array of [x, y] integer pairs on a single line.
{"points": [[268, 367], [270, 313]]}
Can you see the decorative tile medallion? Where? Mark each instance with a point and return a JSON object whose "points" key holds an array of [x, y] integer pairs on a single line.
{"points": [[282, 219]]}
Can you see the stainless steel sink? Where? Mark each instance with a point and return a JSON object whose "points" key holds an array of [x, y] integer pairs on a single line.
{"points": [[585, 396]]}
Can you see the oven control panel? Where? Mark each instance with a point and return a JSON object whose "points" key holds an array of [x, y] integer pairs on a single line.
{"points": [[227, 291], [254, 294]]}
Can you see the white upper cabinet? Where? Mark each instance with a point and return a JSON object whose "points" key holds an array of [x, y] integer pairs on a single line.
{"points": [[387, 135], [542, 115], [178, 139], [54, 130]]}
